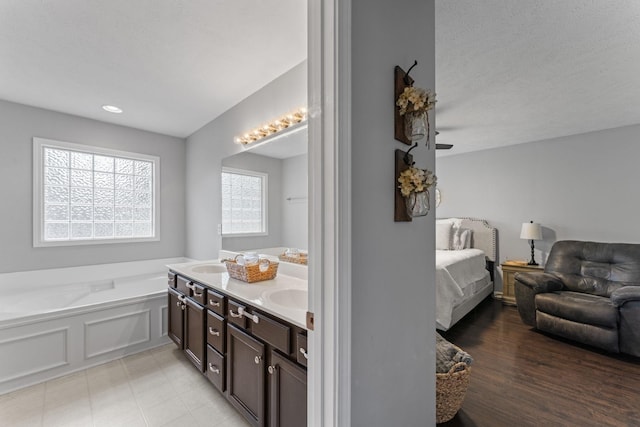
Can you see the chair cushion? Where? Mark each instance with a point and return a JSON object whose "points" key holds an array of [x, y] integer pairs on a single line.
{"points": [[579, 307]]}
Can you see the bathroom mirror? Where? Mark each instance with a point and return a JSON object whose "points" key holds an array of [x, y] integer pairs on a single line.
{"points": [[264, 192]]}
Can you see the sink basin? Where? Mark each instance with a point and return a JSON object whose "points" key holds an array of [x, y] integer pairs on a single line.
{"points": [[209, 268], [289, 298]]}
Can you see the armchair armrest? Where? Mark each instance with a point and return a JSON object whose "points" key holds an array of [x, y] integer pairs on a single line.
{"points": [[527, 286], [539, 282], [625, 294]]}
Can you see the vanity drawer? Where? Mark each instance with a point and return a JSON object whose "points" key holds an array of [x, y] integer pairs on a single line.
{"points": [[301, 349], [234, 314], [198, 292], [215, 368], [181, 285], [215, 331], [272, 332], [216, 302], [171, 280]]}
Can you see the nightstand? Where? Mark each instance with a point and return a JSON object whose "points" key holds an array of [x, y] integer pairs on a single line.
{"points": [[509, 270]]}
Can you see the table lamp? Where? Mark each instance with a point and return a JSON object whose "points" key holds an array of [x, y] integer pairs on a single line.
{"points": [[531, 231]]}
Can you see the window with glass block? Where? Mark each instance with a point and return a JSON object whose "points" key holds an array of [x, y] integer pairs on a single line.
{"points": [[243, 202], [93, 196]]}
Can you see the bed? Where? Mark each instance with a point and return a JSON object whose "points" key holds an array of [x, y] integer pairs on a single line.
{"points": [[464, 277]]}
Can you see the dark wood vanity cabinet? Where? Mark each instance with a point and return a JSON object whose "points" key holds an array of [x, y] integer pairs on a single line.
{"points": [[245, 375], [256, 359], [287, 392], [175, 327]]}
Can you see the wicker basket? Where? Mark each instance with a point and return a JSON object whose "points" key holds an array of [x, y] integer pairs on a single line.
{"points": [[450, 390], [250, 273], [300, 259]]}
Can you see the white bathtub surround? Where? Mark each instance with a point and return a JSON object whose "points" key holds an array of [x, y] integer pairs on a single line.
{"points": [[57, 321], [284, 297]]}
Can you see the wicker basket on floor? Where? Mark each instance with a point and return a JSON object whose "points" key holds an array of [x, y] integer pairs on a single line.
{"points": [[250, 273], [450, 391]]}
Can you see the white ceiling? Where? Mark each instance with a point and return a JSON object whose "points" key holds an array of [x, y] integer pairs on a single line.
{"points": [[172, 66], [507, 71]]}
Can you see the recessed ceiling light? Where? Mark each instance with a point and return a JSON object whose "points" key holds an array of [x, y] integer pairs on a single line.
{"points": [[112, 109]]}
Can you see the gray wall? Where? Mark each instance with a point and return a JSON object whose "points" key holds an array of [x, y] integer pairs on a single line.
{"points": [[273, 168], [208, 146], [582, 187], [18, 125], [393, 292], [295, 215]]}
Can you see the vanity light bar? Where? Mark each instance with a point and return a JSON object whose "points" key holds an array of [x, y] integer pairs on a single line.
{"points": [[284, 122]]}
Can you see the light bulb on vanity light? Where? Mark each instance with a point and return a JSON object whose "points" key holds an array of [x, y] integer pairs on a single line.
{"points": [[112, 109]]}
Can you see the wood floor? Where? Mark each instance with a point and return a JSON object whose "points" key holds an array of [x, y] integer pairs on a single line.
{"points": [[521, 377]]}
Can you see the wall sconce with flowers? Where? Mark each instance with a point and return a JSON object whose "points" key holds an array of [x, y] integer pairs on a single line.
{"points": [[412, 193], [412, 108]]}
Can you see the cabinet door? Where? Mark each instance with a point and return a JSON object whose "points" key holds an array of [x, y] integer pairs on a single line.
{"points": [[175, 327], [287, 393], [245, 375], [194, 338], [215, 368]]}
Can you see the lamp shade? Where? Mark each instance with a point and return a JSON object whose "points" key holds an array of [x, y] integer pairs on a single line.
{"points": [[531, 231]]}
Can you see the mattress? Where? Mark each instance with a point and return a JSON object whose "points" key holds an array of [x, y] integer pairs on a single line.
{"points": [[457, 276]]}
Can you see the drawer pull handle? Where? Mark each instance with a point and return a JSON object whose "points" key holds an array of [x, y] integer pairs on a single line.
{"points": [[271, 369], [197, 295], [241, 313], [214, 303], [214, 332], [178, 303], [257, 359], [191, 286], [213, 368], [304, 353]]}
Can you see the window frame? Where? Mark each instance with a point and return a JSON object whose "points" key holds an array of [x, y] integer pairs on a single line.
{"points": [[39, 144], [265, 202]]}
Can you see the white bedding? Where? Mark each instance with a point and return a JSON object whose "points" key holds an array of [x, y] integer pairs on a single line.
{"points": [[455, 270]]}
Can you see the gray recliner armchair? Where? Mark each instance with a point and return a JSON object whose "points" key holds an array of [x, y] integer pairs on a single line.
{"points": [[589, 292]]}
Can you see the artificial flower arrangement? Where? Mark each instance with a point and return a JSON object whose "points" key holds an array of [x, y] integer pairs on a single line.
{"points": [[414, 180], [416, 100], [414, 104]]}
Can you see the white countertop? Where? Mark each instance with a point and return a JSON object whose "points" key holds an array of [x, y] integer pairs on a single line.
{"points": [[255, 294]]}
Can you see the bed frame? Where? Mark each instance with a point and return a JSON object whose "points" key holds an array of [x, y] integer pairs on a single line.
{"points": [[484, 237]]}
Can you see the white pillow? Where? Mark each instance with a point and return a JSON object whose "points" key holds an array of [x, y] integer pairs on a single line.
{"points": [[457, 222], [443, 235], [461, 239]]}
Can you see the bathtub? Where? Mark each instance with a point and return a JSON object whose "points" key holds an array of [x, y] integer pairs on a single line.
{"points": [[57, 321]]}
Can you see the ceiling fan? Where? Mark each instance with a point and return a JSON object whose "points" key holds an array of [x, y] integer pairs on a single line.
{"points": [[443, 146]]}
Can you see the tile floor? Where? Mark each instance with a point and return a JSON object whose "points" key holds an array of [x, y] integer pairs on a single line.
{"points": [[157, 387]]}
